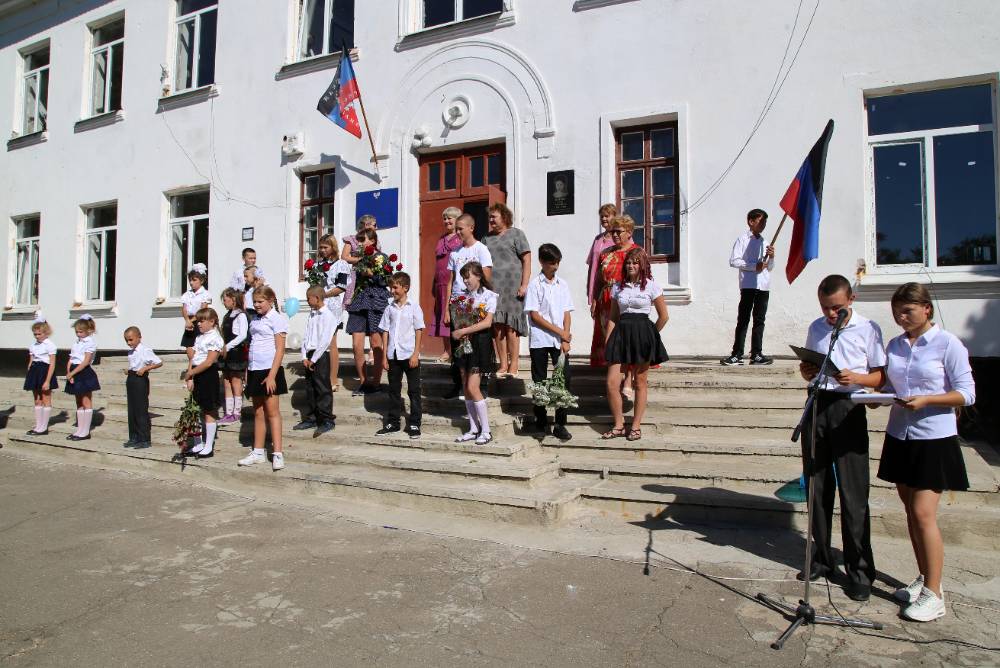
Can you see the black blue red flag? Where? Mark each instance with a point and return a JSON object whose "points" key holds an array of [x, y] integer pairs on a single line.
{"points": [[337, 102], [802, 202]]}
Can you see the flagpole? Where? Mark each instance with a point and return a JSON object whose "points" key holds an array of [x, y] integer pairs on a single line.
{"points": [[778, 231], [371, 141]]}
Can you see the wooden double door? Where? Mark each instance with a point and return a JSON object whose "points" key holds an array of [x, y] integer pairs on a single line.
{"points": [[472, 180]]}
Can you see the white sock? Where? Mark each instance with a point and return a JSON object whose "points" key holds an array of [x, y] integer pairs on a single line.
{"points": [[88, 416], [237, 405], [260, 452], [46, 415], [470, 407], [199, 441], [38, 419], [210, 428], [484, 419], [79, 422], [230, 402]]}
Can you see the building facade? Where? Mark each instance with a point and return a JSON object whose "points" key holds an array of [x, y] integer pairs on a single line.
{"points": [[147, 135]]}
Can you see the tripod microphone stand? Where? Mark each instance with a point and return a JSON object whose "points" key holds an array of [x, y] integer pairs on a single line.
{"points": [[804, 613]]}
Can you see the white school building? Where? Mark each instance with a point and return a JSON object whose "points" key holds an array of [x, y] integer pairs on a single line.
{"points": [[146, 135]]}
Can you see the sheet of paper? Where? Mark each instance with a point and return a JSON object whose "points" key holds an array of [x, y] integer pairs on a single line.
{"points": [[873, 398]]}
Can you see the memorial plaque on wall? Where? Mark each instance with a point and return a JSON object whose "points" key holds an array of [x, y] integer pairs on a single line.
{"points": [[559, 193]]}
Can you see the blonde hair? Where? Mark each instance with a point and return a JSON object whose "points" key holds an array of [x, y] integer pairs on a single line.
{"points": [[331, 241], [316, 291], [236, 296], [87, 324], [132, 329], [451, 212], [43, 327], [625, 222], [365, 219], [267, 293], [609, 209], [913, 293]]}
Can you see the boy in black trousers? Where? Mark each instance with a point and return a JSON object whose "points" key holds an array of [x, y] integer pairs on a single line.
{"points": [[549, 305], [403, 324], [754, 261], [320, 329], [141, 361]]}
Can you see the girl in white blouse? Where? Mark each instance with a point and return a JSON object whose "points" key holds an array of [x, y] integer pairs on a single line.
{"points": [[202, 378], [634, 341], [196, 298], [81, 379], [477, 293], [928, 371], [41, 379], [266, 377], [234, 357]]}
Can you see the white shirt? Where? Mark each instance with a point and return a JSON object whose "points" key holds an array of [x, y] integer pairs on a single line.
{"points": [[140, 356], [337, 277], [936, 363], [634, 299], [551, 300], [40, 351], [487, 298], [240, 328], [319, 332], [477, 252], [401, 323], [193, 300], [859, 347], [263, 329], [238, 281], [747, 252], [205, 343], [87, 344], [248, 301]]}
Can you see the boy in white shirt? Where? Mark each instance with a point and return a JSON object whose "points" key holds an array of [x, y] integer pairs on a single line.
{"points": [[754, 260], [249, 260], [320, 329], [403, 324], [842, 435], [141, 360], [549, 306]]}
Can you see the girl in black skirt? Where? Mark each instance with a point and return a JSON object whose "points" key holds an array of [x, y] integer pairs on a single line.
{"points": [[202, 378], [928, 370], [41, 379], [235, 356], [370, 298], [479, 299], [634, 341], [81, 380]]}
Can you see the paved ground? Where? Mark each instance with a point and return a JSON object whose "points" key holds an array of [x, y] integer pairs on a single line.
{"points": [[101, 568]]}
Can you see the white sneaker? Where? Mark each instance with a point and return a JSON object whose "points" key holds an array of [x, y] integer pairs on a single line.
{"points": [[910, 592], [927, 608], [277, 461], [252, 458]]}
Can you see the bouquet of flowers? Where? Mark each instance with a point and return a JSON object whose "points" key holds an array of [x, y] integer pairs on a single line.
{"points": [[374, 268], [467, 313], [189, 422], [552, 392], [315, 271]]}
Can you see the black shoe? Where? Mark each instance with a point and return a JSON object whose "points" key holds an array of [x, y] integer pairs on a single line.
{"points": [[32, 432], [207, 455], [560, 432], [818, 571], [732, 360], [413, 430], [322, 428], [387, 429], [371, 389], [453, 393], [305, 424], [130, 443], [857, 591], [142, 445], [74, 437], [761, 360]]}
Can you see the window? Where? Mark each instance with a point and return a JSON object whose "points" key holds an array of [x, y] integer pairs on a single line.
{"points": [[106, 59], [934, 177], [188, 237], [196, 27], [646, 168], [440, 12], [325, 26], [35, 91], [26, 234], [317, 190], [100, 247]]}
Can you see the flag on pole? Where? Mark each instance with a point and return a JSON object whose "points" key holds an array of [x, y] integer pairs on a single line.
{"points": [[338, 100], [802, 203]]}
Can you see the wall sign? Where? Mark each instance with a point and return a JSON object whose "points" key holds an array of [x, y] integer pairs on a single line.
{"points": [[383, 204], [247, 234], [559, 193]]}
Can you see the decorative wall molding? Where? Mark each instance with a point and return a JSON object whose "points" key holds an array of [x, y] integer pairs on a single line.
{"points": [[186, 98], [27, 140], [99, 121], [314, 64]]}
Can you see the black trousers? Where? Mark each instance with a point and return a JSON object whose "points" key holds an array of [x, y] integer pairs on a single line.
{"points": [[752, 302], [137, 394], [841, 441], [397, 368], [319, 396], [540, 358]]}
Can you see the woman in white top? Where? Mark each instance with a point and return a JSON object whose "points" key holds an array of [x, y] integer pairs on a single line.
{"points": [[196, 298], [928, 371], [266, 377], [81, 379], [41, 378], [473, 310], [338, 272], [202, 378], [633, 341]]}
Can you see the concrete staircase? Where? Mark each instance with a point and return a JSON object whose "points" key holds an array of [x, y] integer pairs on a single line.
{"points": [[715, 448]]}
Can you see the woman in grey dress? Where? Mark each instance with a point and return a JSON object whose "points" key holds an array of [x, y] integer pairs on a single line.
{"points": [[511, 271]]}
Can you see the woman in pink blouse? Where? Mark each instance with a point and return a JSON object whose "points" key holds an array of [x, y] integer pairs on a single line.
{"points": [[602, 242], [448, 242]]}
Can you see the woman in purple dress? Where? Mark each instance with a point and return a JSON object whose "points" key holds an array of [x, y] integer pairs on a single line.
{"points": [[448, 242]]}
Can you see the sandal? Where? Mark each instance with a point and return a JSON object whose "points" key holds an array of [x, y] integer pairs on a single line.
{"points": [[614, 432], [634, 435], [467, 436]]}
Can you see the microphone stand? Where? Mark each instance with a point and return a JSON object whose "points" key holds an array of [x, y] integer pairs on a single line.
{"points": [[804, 613]]}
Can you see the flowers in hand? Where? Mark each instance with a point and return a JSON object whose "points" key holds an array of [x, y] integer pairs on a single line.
{"points": [[393, 257], [315, 273], [369, 250], [309, 264]]}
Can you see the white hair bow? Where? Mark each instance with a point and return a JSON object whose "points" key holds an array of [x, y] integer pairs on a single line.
{"points": [[39, 318], [86, 316], [200, 267]]}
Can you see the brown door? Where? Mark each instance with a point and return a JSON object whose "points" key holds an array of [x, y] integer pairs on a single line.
{"points": [[470, 180]]}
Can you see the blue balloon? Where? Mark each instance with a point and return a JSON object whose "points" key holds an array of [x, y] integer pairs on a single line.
{"points": [[291, 307]]}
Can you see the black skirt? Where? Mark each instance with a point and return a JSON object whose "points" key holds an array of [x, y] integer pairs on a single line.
{"points": [[481, 359], [634, 340], [35, 380], [83, 382], [255, 383], [187, 341], [235, 359], [206, 389], [934, 463]]}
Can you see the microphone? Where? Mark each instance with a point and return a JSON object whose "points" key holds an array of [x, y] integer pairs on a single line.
{"points": [[841, 317]]}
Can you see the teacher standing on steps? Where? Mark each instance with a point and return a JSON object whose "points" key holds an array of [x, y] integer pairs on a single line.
{"points": [[511, 272]]}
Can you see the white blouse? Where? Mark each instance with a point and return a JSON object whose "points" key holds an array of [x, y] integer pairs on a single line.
{"points": [[632, 298], [936, 363], [204, 344], [87, 344], [263, 329], [40, 351], [193, 300], [337, 277]]}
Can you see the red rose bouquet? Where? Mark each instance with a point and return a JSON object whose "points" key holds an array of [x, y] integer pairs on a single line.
{"points": [[315, 271]]}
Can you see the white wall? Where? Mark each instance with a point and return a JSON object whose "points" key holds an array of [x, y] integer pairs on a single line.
{"points": [[707, 64]]}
